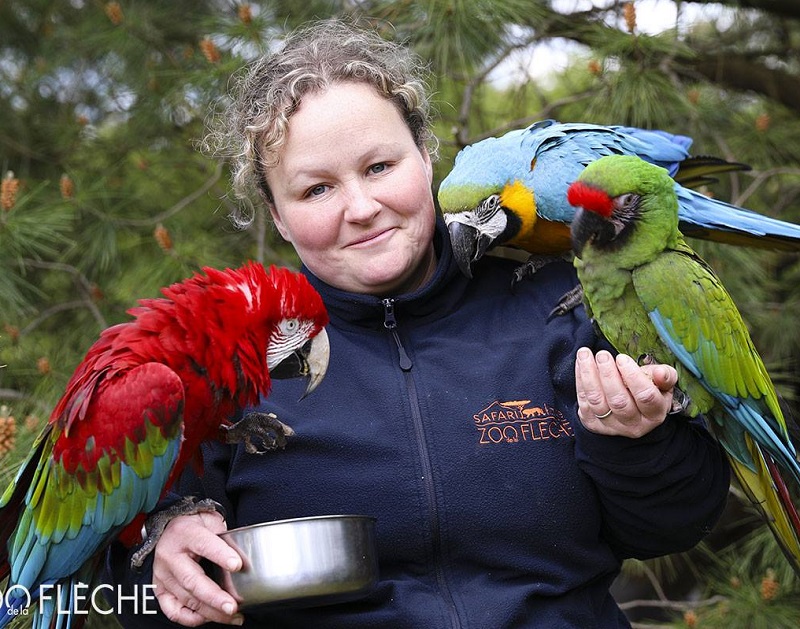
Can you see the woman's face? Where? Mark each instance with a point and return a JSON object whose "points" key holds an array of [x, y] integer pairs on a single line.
{"points": [[352, 192]]}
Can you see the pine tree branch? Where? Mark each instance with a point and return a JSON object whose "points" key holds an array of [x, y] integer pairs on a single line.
{"points": [[180, 205], [12, 394], [680, 606], [544, 113], [762, 177], [462, 130], [740, 72], [82, 282], [782, 8], [49, 312]]}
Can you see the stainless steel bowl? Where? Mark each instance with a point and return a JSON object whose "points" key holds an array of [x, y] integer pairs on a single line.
{"points": [[303, 562]]}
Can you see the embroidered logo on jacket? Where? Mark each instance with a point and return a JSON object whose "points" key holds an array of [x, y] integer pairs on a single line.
{"points": [[518, 421]]}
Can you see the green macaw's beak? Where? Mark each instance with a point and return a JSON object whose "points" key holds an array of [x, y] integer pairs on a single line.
{"points": [[468, 243], [589, 227], [310, 361]]}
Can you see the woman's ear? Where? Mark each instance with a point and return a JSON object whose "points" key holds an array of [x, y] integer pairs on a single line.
{"points": [[276, 218], [426, 156]]}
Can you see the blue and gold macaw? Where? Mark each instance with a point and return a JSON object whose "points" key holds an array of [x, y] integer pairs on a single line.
{"points": [[511, 190]]}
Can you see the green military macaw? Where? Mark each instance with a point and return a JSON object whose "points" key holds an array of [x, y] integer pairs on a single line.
{"points": [[652, 296]]}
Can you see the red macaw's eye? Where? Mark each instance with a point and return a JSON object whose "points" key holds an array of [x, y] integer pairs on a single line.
{"points": [[591, 199]]}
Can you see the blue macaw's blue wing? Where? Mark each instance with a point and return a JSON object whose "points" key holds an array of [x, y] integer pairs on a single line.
{"points": [[561, 151]]}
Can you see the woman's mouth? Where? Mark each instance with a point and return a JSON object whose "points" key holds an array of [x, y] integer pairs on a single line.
{"points": [[372, 238]]}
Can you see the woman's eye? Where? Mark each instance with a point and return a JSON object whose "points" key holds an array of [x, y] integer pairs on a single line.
{"points": [[317, 190], [377, 168]]}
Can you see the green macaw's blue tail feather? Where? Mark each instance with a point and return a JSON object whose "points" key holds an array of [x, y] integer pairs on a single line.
{"points": [[753, 421], [750, 415]]}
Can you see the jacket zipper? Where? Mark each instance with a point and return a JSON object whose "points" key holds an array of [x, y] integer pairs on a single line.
{"points": [[390, 323]]}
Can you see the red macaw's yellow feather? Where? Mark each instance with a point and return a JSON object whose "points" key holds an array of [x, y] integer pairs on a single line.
{"points": [[92, 481]]}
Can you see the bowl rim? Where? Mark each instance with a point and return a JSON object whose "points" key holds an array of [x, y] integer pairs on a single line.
{"points": [[309, 518]]}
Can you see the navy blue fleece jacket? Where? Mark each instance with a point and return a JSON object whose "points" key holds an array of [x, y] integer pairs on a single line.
{"points": [[450, 416]]}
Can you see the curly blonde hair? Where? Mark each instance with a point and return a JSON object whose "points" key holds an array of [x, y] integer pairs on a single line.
{"points": [[253, 126]]}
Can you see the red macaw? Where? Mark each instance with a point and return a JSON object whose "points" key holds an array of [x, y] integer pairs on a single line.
{"points": [[135, 412]]}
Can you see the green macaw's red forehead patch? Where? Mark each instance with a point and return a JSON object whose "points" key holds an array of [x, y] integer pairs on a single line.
{"points": [[590, 198]]}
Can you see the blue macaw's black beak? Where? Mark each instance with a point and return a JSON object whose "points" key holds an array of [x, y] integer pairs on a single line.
{"points": [[464, 240], [468, 245]]}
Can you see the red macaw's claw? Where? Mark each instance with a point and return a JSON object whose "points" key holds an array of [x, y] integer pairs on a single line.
{"points": [[156, 523], [259, 432]]}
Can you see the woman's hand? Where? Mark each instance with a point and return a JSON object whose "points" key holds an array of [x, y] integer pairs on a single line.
{"points": [[186, 595], [618, 397]]}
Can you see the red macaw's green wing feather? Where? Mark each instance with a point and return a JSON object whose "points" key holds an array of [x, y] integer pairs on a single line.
{"points": [[90, 481], [697, 319]]}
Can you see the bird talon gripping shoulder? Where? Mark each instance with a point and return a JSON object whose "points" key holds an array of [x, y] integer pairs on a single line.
{"points": [[568, 302], [532, 266], [258, 432]]}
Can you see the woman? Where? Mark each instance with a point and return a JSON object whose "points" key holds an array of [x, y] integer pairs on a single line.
{"points": [[508, 479]]}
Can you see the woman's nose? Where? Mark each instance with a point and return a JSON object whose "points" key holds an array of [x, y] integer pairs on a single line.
{"points": [[362, 206]]}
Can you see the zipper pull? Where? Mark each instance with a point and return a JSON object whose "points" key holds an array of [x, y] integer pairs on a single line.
{"points": [[390, 323]]}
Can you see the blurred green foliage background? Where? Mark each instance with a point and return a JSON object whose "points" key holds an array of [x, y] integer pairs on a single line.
{"points": [[105, 196]]}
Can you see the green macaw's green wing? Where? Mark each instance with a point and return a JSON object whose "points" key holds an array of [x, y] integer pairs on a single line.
{"points": [[698, 321]]}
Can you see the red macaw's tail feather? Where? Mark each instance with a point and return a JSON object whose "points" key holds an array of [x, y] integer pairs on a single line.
{"points": [[69, 606], [769, 493], [61, 605], [13, 499]]}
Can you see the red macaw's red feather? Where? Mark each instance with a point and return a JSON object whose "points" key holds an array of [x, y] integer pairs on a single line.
{"points": [[590, 198], [121, 406], [136, 409], [212, 330]]}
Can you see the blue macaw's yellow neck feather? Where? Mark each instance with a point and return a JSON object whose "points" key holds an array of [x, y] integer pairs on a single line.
{"points": [[535, 234], [518, 198]]}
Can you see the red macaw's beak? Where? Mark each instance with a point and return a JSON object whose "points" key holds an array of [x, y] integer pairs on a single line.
{"points": [[309, 361]]}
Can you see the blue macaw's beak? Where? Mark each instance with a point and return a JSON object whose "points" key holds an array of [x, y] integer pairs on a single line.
{"points": [[468, 244]]}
